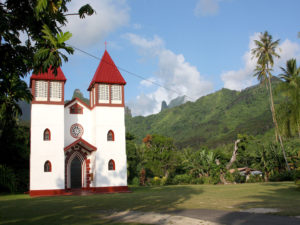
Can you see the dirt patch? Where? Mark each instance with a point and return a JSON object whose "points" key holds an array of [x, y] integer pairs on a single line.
{"points": [[153, 218], [261, 210]]}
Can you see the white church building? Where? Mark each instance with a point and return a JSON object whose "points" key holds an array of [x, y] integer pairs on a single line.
{"points": [[74, 145]]}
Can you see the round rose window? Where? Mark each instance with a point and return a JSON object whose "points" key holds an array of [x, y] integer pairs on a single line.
{"points": [[76, 130]]}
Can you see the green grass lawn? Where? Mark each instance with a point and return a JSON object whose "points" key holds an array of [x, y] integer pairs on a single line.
{"points": [[21, 209]]}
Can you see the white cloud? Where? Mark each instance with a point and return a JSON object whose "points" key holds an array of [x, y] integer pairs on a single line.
{"points": [[206, 8], [287, 51], [242, 78], [110, 15], [149, 82], [137, 26], [174, 73]]}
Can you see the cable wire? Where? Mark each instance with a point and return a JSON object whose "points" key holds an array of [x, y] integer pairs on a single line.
{"points": [[131, 73]]}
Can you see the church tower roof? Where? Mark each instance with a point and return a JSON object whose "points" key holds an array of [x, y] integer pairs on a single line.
{"points": [[107, 72], [49, 75]]}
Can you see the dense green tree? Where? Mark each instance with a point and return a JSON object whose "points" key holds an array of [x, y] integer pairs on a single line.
{"points": [[132, 157], [40, 22], [291, 88], [160, 155], [264, 52]]}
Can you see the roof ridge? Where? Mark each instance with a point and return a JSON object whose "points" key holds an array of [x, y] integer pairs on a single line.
{"points": [[49, 75], [107, 72]]}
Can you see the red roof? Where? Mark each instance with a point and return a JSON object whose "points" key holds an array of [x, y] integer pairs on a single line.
{"points": [[49, 76], [107, 72], [83, 143]]}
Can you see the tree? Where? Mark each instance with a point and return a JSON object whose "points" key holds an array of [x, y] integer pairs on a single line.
{"points": [[41, 22], [160, 154], [264, 52], [291, 88]]}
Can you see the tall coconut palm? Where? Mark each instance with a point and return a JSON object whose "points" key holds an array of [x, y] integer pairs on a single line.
{"points": [[264, 52], [291, 88]]}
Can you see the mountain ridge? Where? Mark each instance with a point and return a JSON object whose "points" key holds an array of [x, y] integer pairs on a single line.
{"points": [[212, 120]]}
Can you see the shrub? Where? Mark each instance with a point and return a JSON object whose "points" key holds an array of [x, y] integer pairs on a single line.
{"points": [[238, 178], [297, 182], [155, 181], [8, 180], [135, 181], [198, 180], [285, 176], [182, 179], [229, 177], [163, 181], [255, 179]]}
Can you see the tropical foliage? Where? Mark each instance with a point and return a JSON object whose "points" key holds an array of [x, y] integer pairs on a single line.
{"points": [[290, 108], [40, 23]]}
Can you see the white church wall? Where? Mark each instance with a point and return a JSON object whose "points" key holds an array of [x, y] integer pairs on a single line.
{"points": [[85, 120], [41, 150], [110, 118]]}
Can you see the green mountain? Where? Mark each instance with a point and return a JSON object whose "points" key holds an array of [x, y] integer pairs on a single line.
{"points": [[212, 120], [173, 103]]}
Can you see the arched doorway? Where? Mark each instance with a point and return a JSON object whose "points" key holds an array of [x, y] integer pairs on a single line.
{"points": [[76, 173]]}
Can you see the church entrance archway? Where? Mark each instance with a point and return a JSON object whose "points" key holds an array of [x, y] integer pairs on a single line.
{"points": [[76, 179]]}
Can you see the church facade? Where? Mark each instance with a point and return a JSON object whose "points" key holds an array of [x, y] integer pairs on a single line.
{"points": [[74, 145]]}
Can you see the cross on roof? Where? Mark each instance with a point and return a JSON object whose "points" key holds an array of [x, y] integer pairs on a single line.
{"points": [[105, 45]]}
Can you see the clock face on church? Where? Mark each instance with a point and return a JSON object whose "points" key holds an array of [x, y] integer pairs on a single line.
{"points": [[76, 130]]}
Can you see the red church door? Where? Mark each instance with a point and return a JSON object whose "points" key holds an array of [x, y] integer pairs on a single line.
{"points": [[76, 173]]}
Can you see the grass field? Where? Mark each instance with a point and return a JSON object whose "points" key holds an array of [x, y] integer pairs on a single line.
{"points": [[21, 209]]}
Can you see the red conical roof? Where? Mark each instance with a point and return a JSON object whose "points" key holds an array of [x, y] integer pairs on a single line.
{"points": [[107, 72], [49, 75]]}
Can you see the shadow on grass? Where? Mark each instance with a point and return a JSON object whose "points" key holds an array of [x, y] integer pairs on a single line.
{"points": [[281, 196], [85, 209]]}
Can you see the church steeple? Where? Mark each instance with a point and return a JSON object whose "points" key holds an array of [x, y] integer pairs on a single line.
{"points": [[107, 85], [48, 88]]}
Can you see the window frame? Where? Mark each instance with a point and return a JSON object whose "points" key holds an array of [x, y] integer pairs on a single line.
{"points": [[41, 92], [116, 94], [76, 107], [111, 165], [112, 138], [47, 167], [44, 137]]}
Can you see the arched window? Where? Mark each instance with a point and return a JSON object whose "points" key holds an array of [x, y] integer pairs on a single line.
{"points": [[47, 166], [110, 136], [111, 165], [47, 135]]}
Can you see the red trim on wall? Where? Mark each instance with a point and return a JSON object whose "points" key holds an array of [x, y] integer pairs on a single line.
{"points": [[46, 102], [111, 189], [33, 89], [92, 147], [96, 86], [79, 100], [63, 93], [37, 193], [110, 105], [48, 97], [76, 107], [96, 93], [93, 190]]}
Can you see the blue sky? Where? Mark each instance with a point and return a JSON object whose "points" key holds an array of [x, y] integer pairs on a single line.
{"points": [[193, 47]]}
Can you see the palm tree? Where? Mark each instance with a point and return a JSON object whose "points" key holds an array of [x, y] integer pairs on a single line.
{"points": [[291, 88], [265, 51]]}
